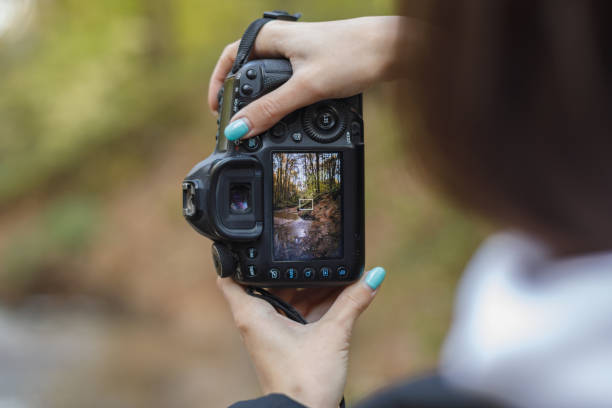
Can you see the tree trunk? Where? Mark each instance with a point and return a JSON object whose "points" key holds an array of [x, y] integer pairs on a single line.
{"points": [[318, 185]]}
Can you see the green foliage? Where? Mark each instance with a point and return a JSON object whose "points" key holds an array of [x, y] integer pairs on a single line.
{"points": [[87, 76], [63, 230], [90, 73]]}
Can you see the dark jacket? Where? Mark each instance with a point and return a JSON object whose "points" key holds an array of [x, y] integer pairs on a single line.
{"points": [[428, 392]]}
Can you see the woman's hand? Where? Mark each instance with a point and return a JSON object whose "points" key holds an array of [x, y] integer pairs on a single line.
{"points": [[305, 362], [332, 59]]}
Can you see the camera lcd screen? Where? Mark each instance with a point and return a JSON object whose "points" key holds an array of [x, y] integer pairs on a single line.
{"points": [[307, 203]]}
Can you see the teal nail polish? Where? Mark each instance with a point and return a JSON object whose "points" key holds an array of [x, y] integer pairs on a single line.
{"points": [[236, 129], [375, 277]]}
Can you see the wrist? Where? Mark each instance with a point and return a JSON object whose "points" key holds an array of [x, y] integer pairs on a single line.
{"points": [[308, 393], [313, 401], [399, 42]]}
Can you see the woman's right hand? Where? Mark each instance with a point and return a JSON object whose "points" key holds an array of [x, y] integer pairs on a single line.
{"points": [[332, 59]]}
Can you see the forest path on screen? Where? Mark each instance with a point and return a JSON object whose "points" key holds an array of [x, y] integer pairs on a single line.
{"points": [[308, 234], [307, 205]]}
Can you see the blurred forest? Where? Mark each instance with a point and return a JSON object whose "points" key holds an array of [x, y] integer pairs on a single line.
{"points": [[107, 297]]}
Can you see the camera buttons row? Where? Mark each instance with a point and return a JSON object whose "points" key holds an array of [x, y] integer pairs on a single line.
{"points": [[254, 143], [307, 273]]}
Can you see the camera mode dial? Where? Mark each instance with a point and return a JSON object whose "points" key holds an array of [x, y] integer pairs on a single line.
{"points": [[325, 121]]}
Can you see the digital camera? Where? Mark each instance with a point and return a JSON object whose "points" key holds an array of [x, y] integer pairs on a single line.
{"points": [[286, 207]]}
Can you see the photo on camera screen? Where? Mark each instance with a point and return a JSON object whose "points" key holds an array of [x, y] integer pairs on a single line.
{"points": [[307, 201]]}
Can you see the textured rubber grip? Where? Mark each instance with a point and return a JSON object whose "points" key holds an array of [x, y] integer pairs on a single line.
{"points": [[273, 81], [280, 66], [276, 73]]}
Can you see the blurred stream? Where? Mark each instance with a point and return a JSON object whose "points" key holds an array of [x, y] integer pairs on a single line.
{"points": [[58, 352], [44, 345]]}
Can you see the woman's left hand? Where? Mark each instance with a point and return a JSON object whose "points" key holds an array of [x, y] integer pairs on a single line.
{"points": [[305, 362]]}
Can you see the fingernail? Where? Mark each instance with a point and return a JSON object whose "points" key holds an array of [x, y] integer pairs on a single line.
{"points": [[375, 277], [236, 129]]}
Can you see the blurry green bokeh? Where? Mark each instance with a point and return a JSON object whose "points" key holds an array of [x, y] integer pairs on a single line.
{"points": [[89, 74]]}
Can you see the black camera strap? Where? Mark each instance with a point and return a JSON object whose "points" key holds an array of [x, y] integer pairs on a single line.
{"points": [[278, 303], [250, 34], [281, 306]]}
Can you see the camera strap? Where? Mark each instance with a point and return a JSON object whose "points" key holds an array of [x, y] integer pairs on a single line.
{"points": [[278, 303], [250, 34]]}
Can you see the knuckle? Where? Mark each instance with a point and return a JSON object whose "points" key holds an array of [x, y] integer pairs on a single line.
{"points": [[242, 322], [339, 326], [315, 90], [229, 50], [311, 87], [355, 302]]}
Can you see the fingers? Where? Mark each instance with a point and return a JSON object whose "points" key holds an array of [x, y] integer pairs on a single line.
{"points": [[355, 299], [245, 308], [267, 45], [224, 65], [262, 114]]}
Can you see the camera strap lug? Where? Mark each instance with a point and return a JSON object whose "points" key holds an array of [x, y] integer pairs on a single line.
{"points": [[250, 34]]}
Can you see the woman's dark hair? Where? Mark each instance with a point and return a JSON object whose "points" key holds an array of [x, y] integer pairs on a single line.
{"points": [[516, 102]]}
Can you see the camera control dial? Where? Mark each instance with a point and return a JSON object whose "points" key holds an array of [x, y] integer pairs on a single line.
{"points": [[325, 121]]}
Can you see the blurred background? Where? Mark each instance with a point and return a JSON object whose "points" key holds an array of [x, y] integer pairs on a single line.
{"points": [[107, 296]]}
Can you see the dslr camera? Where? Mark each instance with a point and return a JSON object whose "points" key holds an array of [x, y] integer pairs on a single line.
{"points": [[286, 207]]}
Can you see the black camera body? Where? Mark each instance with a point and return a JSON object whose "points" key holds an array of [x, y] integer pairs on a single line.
{"points": [[284, 208]]}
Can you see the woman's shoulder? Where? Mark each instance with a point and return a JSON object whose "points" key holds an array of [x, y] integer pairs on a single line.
{"points": [[431, 391]]}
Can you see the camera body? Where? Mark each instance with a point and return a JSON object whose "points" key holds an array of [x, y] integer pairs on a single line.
{"points": [[284, 208]]}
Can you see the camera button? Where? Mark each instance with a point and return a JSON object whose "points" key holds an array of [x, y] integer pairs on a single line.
{"points": [[251, 253], [296, 137], [326, 120], [356, 129], [252, 144], [291, 273], [308, 273], [251, 74], [279, 130], [342, 272], [251, 271], [324, 273], [273, 273], [246, 89]]}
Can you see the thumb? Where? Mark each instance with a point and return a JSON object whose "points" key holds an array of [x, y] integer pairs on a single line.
{"points": [[353, 300], [263, 113]]}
